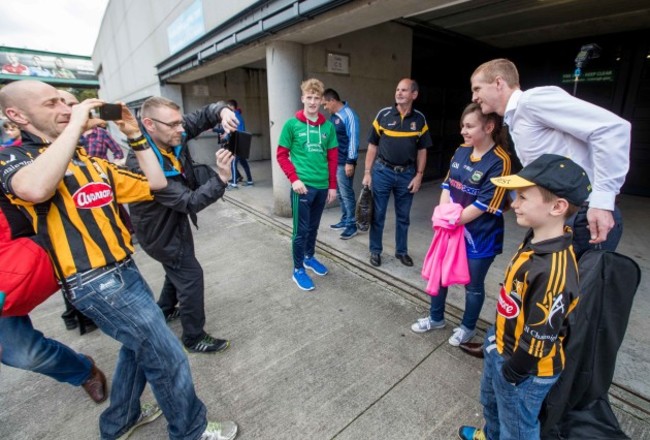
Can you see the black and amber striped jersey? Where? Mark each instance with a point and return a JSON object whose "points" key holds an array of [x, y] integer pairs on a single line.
{"points": [[83, 220], [398, 138], [539, 292]]}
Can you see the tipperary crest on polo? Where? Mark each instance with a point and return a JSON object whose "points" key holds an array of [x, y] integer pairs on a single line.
{"points": [[93, 195], [476, 177]]}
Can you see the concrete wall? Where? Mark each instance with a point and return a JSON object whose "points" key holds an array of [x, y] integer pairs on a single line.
{"points": [[133, 39], [379, 57]]}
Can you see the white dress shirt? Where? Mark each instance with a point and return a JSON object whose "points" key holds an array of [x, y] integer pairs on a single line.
{"points": [[549, 120]]}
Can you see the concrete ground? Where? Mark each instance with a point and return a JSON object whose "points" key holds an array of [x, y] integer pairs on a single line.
{"points": [[339, 362]]}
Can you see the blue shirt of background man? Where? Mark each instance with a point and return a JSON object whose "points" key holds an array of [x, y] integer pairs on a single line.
{"points": [[346, 122]]}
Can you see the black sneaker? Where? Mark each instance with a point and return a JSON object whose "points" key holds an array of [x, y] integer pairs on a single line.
{"points": [[173, 315], [208, 344]]}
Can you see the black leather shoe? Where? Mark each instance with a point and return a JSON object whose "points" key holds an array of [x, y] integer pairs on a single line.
{"points": [[405, 259], [95, 385], [473, 349], [375, 260]]}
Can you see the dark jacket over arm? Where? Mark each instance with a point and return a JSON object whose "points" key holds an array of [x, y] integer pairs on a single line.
{"points": [[162, 225]]}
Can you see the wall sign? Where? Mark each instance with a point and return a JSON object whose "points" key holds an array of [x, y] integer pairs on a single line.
{"points": [[338, 63]]}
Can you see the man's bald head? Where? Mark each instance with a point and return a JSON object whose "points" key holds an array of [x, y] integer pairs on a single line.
{"points": [[17, 92], [35, 107], [68, 98]]}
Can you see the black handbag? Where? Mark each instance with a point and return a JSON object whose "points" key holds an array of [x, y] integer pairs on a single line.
{"points": [[364, 209]]}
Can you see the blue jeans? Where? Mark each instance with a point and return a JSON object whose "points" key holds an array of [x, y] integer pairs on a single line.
{"points": [[385, 181], [26, 348], [235, 173], [511, 412], [345, 194], [581, 233], [474, 294], [122, 305], [307, 211]]}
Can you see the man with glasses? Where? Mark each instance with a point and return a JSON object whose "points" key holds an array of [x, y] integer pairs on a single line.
{"points": [[91, 248], [162, 226]]}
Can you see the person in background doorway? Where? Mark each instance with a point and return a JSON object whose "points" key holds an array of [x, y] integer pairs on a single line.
{"points": [[236, 175], [346, 122]]}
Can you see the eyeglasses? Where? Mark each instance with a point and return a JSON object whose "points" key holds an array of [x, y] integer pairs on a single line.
{"points": [[169, 124]]}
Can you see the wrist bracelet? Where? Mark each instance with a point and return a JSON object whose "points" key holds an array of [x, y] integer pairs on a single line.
{"points": [[139, 143]]}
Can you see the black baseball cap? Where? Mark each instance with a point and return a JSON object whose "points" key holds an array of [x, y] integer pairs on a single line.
{"points": [[558, 174]]}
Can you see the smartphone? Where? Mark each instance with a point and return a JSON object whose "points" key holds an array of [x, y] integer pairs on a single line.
{"points": [[110, 112]]}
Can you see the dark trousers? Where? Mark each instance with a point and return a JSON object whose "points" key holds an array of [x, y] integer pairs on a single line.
{"points": [[184, 286], [581, 233], [307, 212]]}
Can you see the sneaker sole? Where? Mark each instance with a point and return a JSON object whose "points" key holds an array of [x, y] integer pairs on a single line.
{"points": [[300, 287], [337, 229], [438, 327], [455, 343], [142, 422], [322, 274], [347, 237]]}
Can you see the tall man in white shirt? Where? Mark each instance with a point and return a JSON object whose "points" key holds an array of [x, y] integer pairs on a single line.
{"points": [[549, 120]]}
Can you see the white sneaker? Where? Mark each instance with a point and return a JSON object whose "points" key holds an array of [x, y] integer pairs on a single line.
{"points": [[424, 325], [148, 413], [460, 336], [220, 431]]}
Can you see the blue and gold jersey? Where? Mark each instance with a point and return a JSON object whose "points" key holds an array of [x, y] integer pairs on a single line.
{"points": [[468, 182]]}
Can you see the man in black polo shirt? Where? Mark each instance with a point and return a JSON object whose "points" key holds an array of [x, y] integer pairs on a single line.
{"points": [[398, 141]]}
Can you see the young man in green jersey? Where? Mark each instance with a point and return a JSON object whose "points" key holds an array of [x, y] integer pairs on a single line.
{"points": [[307, 153]]}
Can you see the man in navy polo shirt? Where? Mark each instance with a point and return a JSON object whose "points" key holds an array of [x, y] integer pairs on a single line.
{"points": [[395, 163]]}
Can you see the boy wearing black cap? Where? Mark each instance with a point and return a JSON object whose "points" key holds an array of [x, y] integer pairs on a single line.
{"points": [[523, 353]]}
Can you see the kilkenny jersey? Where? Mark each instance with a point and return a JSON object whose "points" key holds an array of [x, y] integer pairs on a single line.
{"points": [[539, 292], [468, 182], [83, 220]]}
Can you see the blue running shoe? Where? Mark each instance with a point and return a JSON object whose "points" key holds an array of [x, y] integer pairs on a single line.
{"points": [[339, 225], [315, 266], [470, 433], [349, 232], [302, 279]]}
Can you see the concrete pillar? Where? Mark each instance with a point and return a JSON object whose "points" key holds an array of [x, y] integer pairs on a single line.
{"points": [[284, 75]]}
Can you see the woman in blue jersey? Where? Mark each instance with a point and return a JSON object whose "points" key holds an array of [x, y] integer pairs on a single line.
{"points": [[480, 157]]}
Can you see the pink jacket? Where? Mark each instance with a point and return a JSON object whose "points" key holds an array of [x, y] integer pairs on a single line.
{"points": [[446, 261]]}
